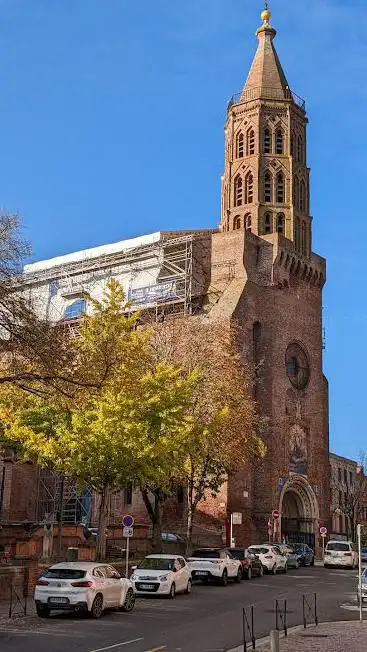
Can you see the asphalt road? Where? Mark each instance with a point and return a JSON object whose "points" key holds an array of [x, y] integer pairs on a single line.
{"points": [[208, 620]]}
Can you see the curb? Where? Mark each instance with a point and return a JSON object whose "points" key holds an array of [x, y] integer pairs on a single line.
{"points": [[291, 631]]}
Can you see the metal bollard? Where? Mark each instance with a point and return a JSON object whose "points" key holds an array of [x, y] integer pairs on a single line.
{"points": [[274, 641]]}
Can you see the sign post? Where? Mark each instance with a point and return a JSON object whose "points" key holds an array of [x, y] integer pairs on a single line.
{"points": [[128, 531], [323, 532], [359, 527], [275, 516]]}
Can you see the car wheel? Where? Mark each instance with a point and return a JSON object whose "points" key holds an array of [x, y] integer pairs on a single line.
{"points": [[285, 569], [297, 564], [274, 570], [42, 612], [172, 591], [313, 561], [261, 571], [129, 603], [97, 607], [189, 587], [224, 579], [239, 575], [249, 574]]}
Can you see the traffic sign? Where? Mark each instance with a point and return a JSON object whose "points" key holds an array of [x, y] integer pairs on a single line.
{"points": [[323, 530], [275, 513], [128, 532], [127, 520]]}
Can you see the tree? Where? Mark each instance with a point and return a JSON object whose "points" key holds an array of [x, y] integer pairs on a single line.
{"points": [[224, 423], [119, 417], [348, 498]]}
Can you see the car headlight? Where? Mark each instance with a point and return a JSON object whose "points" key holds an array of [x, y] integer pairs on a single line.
{"points": [[163, 578]]}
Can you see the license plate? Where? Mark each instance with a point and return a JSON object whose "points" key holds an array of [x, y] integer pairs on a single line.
{"points": [[201, 572], [58, 600], [146, 587]]}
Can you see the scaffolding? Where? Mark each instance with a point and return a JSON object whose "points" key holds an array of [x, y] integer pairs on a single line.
{"points": [[173, 255], [58, 500]]}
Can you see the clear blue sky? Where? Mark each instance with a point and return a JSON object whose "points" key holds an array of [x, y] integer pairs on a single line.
{"points": [[111, 125]]}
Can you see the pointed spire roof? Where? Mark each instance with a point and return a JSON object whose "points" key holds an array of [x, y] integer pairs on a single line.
{"points": [[266, 77]]}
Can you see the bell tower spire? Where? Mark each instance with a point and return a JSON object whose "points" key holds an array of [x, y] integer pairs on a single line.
{"points": [[265, 186]]}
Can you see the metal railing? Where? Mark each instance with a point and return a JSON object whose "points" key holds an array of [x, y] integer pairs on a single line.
{"points": [[267, 93], [309, 616]]}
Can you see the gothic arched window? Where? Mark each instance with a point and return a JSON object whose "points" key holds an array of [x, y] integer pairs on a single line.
{"points": [[268, 223], [240, 145], [280, 223], [302, 196], [300, 149], [248, 221], [296, 192], [236, 223], [292, 144], [267, 141], [297, 235], [249, 188], [280, 184], [268, 186], [238, 191], [250, 145], [279, 137]]}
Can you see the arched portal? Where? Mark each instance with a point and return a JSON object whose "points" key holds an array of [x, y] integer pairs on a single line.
{"points": [[299, 511]]}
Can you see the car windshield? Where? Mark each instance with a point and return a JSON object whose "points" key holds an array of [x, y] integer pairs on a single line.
{"points": [[364, 574], [258, 550], [64, 574], [156, 563], [338, 546], [238, 553], [206, 554]]}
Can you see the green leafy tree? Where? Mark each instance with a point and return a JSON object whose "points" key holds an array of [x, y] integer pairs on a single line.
{"points": [[119, 418]]}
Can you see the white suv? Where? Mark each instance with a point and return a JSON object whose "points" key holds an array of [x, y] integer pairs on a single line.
{"points": [[270, 557], [340, 553], [215, 564], [82, 587]]}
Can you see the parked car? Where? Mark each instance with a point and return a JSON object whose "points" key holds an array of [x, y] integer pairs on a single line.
{"points": [[341, 553], [304, 553], [293, 559], [251, 565], [171, 537], [364, 555], [270, 557], [364, 587], [162, 575], [215, 564], [83, 587]]}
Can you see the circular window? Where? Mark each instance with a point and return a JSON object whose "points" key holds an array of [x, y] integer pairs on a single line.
{"points": [[297, 366]]}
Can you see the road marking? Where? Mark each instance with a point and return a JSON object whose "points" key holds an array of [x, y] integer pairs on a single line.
{"points": [[351, 607], [112, 647], [22, 632], [161, 648]]}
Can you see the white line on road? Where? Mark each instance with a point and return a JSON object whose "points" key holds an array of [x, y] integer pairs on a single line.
{"points": [[112, 647]]}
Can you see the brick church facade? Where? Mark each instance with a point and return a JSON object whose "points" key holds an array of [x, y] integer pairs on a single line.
{"points": [[268, 280]]}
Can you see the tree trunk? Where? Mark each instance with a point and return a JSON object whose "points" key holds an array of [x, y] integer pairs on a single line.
{"points": [[102, 524], [154, 510]]}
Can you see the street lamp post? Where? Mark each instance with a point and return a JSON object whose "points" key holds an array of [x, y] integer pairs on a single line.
{"points": [[359, 537]]}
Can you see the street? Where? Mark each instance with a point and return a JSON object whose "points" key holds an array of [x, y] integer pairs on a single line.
{"points": [[208, 620]]}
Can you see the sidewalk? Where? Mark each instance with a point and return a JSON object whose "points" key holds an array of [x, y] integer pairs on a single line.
{"points": [[348, 636]]}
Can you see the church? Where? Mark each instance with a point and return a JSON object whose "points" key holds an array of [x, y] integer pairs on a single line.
{"points": [[258, 270]]}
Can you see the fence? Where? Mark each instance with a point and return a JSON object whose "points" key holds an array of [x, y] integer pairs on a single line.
{"points": [[308, 613], [14, 591]]}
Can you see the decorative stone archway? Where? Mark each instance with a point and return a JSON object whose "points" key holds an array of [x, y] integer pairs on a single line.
{"points": [[299, 511]]}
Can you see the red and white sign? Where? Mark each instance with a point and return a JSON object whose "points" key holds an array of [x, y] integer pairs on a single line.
{"points": [[323, 530], [275, 513]]}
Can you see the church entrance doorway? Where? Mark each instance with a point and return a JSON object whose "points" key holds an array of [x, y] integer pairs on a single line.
{"points": [[299, 512]]}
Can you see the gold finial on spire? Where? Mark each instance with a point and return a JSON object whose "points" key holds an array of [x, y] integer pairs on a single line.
{"points": [[266, 14], [266, 27]]}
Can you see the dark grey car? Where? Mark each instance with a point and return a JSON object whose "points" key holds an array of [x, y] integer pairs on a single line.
{"points": [[251, 565]]}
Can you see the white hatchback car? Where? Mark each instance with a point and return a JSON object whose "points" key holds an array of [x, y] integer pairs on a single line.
{"points": [[215, 564], [162, 575], [270, 557], [340, 553], [83, 587]]}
